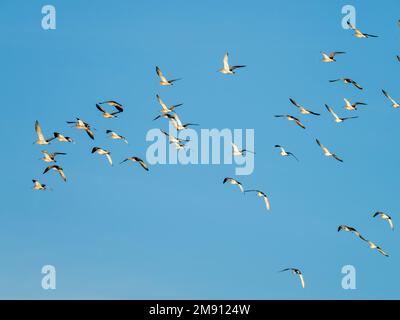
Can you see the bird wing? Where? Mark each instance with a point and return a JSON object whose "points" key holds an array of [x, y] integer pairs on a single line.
{"points": [[350, 25], [267, 204], [38, 130], [332, 112], [299, 123], [90, 133], [160, 74], [322, 146], [356, 84], [335, 53], [235, 148], [144, 166], [303, 284], [226, 61], [295, 103], [337, 158], [240, 186], [389, 97], [100, 108], [109, 158], [390, 223], [163, 105], [62, 174]]}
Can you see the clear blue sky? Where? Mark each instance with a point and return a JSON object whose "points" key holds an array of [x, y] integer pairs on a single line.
{"points": [[177, 231]]}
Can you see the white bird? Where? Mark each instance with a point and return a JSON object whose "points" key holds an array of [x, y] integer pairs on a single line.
{"points": [[176, 122], [38, 186], [239, 152], [114, 104], [352, 106], [394, 103], [386, 217], [164, 107], [234, 182], [327, 153], [291, 118], [296, 272], [58, 169], [79, 124], [116, 136], [331, 56], [62, 138], [348, 81], [351, 229], [41, 140], [102, 152], [302, 109], [51, 157], [109, 115], [136, 159], [227, 69], [163, 79], [336, 118], [261, 195], [358, 33], [374, 246], [179, 143], [285, 153]]}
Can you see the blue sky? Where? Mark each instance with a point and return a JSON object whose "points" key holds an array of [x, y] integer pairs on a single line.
{"points": [[177, 232]]}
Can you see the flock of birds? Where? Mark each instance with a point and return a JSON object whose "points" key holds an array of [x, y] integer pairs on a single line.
{"points": [[112, 109]]}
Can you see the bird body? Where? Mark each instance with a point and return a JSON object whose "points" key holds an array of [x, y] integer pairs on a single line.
{"points": [[38, 186]]}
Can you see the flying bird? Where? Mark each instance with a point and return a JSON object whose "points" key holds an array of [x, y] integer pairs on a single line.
{"points": [[58, 169], [41, 140], [352, 106], [109, 115], [38, 186], [327, 153], [331, 56], [176, 122], [227, 69], [164, 107], [163, 79], [351, 229], [285, 153], [291, 118], [358, 33], [79, 124], [136, 159], [115, 136], [103, 152], [239, 152], [234, 182], [114, 104], [296, 272], [179, 143], [374, 246], [62, 138], [348, 81], [261, 195], [336, 117], [386, 217], [51, 157], [394, 103], [302, 109]]}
